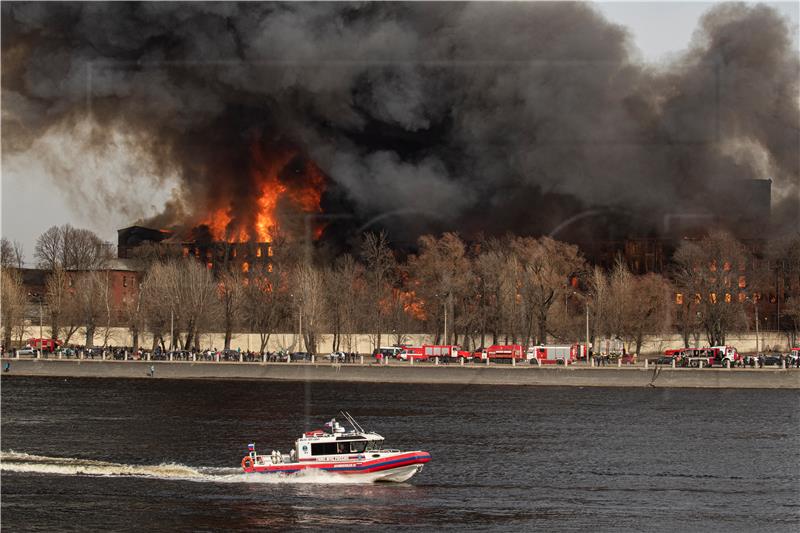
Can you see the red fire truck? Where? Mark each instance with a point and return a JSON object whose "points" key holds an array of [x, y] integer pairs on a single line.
{"points": [[726, 356], [552, 355], [501, 353], [412, 352], [446, 352], [46, 345]]}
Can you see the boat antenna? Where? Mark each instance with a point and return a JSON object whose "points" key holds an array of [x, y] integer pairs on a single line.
{"points": [[352, 421]]}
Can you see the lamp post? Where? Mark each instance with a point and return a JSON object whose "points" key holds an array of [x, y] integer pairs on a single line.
{"points": [[445, 322]]}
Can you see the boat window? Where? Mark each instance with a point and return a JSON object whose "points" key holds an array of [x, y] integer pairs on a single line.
{"points": [[374, 445], [358, 447], [342, 447], [323, 448]]}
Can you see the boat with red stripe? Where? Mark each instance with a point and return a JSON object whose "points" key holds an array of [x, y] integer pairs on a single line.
{"points": [[339, 450]]}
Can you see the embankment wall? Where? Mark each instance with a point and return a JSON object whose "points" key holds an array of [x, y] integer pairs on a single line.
{"points": [[444, 374]]}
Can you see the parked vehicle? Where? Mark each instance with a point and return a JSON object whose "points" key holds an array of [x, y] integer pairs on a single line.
{"points": [[445, 352], [390, 351], [552, 355], [27, 350], [694, 357], [503, 353], [772, 359], [337, 357], [301, 356], [415, 353], [46, 345], [726, 356]]}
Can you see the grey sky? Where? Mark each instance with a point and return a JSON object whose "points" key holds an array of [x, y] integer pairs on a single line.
{"points": [[31, 202]]}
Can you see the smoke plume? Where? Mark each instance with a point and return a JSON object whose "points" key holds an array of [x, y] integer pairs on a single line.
{"points": [[416, 117]]}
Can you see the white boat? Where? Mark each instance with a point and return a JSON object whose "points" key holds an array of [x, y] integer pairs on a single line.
{"points": [[354, 452]]}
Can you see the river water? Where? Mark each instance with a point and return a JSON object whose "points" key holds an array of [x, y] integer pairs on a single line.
{"points": [[154, 455]]}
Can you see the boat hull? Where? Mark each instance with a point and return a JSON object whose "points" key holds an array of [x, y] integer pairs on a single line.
{"points": [[394, 468]]}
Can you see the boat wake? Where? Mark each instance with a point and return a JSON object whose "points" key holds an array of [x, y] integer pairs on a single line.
{"points": [[70, 466]]}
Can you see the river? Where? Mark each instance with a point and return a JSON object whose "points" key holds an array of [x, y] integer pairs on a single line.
{"points": [[113, 454]]}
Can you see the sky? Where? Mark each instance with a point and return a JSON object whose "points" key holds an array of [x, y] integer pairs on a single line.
{"points": [[31, 202]]}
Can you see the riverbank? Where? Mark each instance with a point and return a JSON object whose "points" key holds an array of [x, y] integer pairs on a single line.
{"points": [[577, 376]]}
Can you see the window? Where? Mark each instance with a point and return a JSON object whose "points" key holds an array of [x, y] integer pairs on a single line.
{"points": [[358, 447], [323, 448], [124, 281], [679, 298]]}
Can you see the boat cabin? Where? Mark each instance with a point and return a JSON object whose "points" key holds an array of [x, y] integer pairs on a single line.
{"points": [[334, 440]]}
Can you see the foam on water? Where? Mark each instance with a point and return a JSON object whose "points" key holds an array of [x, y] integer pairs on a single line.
{"points": [[70, 466]]}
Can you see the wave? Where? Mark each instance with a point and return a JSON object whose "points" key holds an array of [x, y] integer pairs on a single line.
{"points": [[12, 461]]}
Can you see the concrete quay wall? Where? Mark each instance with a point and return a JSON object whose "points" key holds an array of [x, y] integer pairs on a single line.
{"points": [[764, 378]]}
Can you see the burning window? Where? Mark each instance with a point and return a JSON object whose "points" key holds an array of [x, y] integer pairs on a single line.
{"points": [[713, 297], [726, 266], [245, 267], [233, 252], [697, 298], [209, 265], [742, 282], [713, 266], [185, 251], [269, 251], [679, 298], [258, 252], [269, 267], [727, 297]]}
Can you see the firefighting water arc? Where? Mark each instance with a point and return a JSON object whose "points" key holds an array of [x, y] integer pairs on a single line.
{"points": [[281, 181]]}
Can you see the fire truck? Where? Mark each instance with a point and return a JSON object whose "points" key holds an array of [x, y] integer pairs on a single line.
{"points": [[45, 345], [412, 352], [502, 353], [726, 356], [552, 355], [693, 357]]}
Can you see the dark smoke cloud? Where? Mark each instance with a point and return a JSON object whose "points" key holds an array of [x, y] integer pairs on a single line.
{"points": [[473, 116]]}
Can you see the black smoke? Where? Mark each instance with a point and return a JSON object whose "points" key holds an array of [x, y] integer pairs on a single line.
{"points": [[478, 117]]}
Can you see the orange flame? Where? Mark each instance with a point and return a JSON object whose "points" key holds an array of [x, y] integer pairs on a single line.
{"points": [[302, 192]]}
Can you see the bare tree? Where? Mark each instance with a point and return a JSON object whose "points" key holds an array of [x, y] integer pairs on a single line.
{"points": [[549, 266], [133, 314], [71, 249], [345, 296], [265, 303], [91, 298], [180, 292], [230, 292], [12, 305], [308, 282], [65, 312], [441, 275], [380, 275], [708, 271], [11, 254], [783, 264]]}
